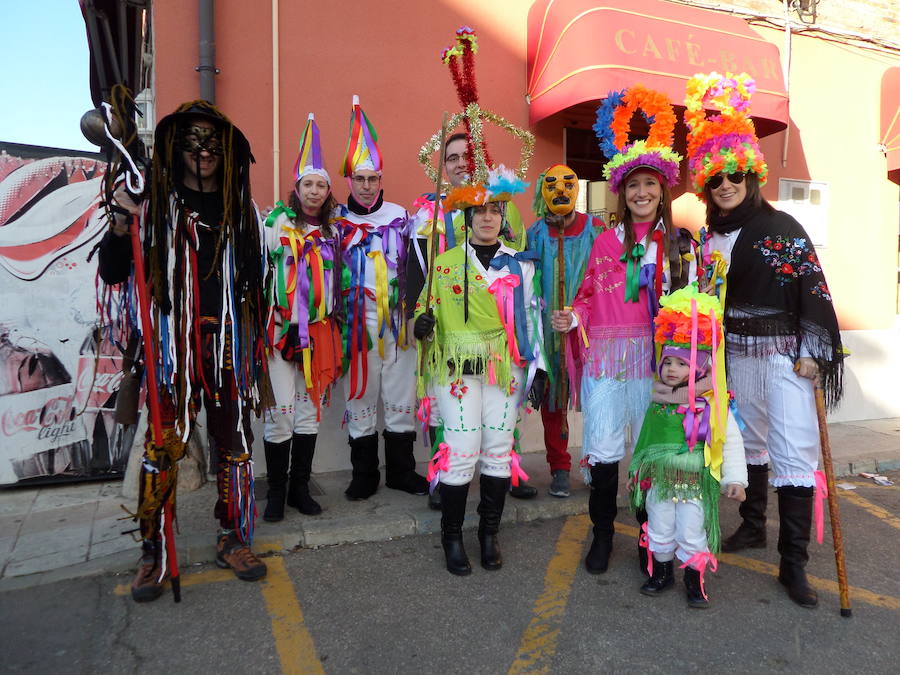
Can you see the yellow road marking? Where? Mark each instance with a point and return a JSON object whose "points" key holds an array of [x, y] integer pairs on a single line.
{"points": [[861, 594], [193, 579], [295, 646], [874, 509], [538, 643]]}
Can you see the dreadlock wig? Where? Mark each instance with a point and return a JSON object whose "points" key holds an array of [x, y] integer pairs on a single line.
{"points": [[171, 242]]}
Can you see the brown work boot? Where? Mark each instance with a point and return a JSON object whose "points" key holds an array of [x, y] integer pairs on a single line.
{"points": [[147, 586], [232, 552]]}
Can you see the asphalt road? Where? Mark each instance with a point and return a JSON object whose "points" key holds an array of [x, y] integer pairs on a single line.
{"points": [[392, 608]]}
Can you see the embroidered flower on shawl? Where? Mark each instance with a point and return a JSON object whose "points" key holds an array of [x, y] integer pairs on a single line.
{"points": [[791, 257], [821, 290]]}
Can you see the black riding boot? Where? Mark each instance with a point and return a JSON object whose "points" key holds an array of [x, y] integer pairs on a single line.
{"points": [[795, 506], [602, 509], [277, 457], [434, 498], [303, 447], [751, 533], [662, 579], [490, 508], [693, 588], [400, 464], [453, 513], [366, 476]]}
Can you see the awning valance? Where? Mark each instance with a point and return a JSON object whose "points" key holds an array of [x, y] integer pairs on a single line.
{"points": [[578, 50], [890, 121]]}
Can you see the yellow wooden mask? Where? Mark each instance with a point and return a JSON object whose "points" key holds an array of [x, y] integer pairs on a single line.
{"points": [[560, 189]]}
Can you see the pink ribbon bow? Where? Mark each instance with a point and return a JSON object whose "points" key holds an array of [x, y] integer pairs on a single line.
{"points": [[699, 561], [503, 291], [516, 468], [644, 542], [440, 462], [821, 495], [423, 414]]}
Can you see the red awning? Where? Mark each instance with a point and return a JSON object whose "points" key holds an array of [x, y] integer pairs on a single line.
{"points": [[578, 50], [890, 121]]}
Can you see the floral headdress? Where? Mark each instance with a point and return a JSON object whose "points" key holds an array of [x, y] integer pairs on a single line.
{"points": [[725, 142], [655, 152], [487, 181], [689, 324]]}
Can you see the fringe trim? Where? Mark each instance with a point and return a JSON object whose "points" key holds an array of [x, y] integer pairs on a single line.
{"points": [[618, 357], [447, 354], [677, 476]]}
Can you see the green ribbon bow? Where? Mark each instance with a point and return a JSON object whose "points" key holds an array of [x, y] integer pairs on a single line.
{"points": [[633, 272], [280, 208]]}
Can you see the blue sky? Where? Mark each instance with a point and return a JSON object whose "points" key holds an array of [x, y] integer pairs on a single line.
{"points": [[44, 85]]}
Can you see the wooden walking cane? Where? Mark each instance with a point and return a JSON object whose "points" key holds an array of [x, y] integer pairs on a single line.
{"points": [[563, 398], [836, 532]]}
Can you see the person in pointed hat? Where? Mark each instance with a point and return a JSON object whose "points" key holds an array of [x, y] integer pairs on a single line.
{"points": [[202, 238], [782, 334], [481, 335], [689, 446], [303, 249], [631, 266], [379, 359], [554, 204]]}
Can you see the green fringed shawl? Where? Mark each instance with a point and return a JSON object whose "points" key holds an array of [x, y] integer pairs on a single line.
{"points": [[661, 455], [481, 340]]}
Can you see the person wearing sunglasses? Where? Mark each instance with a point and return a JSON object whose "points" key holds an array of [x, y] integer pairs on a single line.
{"points": [[782, 336]]}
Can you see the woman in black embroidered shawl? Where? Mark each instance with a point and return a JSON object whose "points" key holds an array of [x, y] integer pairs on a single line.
{"points": [[781, 330]]}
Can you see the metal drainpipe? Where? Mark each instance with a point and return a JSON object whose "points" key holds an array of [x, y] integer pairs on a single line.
{"points": [[276, 107], [207, 67]]}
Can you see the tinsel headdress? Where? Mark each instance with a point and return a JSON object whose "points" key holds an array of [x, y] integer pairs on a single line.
{"points": [[655, 152], [725, 142], [482, 171], [310, 160], [362, 143]]}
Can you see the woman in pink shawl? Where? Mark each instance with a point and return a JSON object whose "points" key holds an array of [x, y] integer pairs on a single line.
{"points": [[631, 265]]}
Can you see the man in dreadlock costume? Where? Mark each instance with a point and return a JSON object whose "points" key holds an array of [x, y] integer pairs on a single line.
{"points": [[204, 262], [378, 357], [554, 204]]}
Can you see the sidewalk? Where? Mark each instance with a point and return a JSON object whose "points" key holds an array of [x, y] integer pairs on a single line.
{"points": [[66, 531]]}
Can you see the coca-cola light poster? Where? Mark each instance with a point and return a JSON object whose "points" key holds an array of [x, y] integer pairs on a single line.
{"points": [[58, 376]]}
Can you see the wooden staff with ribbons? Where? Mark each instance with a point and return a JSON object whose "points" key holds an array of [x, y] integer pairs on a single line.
{"points": [[837, 534], [563, 398], [432, 249]]}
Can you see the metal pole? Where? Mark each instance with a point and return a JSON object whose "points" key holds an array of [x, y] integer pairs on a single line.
{"points": [[207, 67]]}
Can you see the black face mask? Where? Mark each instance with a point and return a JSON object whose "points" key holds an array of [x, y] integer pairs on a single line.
{"points": [[195, 139]]}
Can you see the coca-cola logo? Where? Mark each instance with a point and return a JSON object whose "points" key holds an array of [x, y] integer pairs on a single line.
{"points": [[56, 411], [99, 383]]}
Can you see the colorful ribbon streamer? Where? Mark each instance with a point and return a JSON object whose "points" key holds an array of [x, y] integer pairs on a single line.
{"points": [[699, 561], [821, 495]]}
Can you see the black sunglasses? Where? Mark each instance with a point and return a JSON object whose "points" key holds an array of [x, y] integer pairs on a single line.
{"points": [[735, 178]]}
